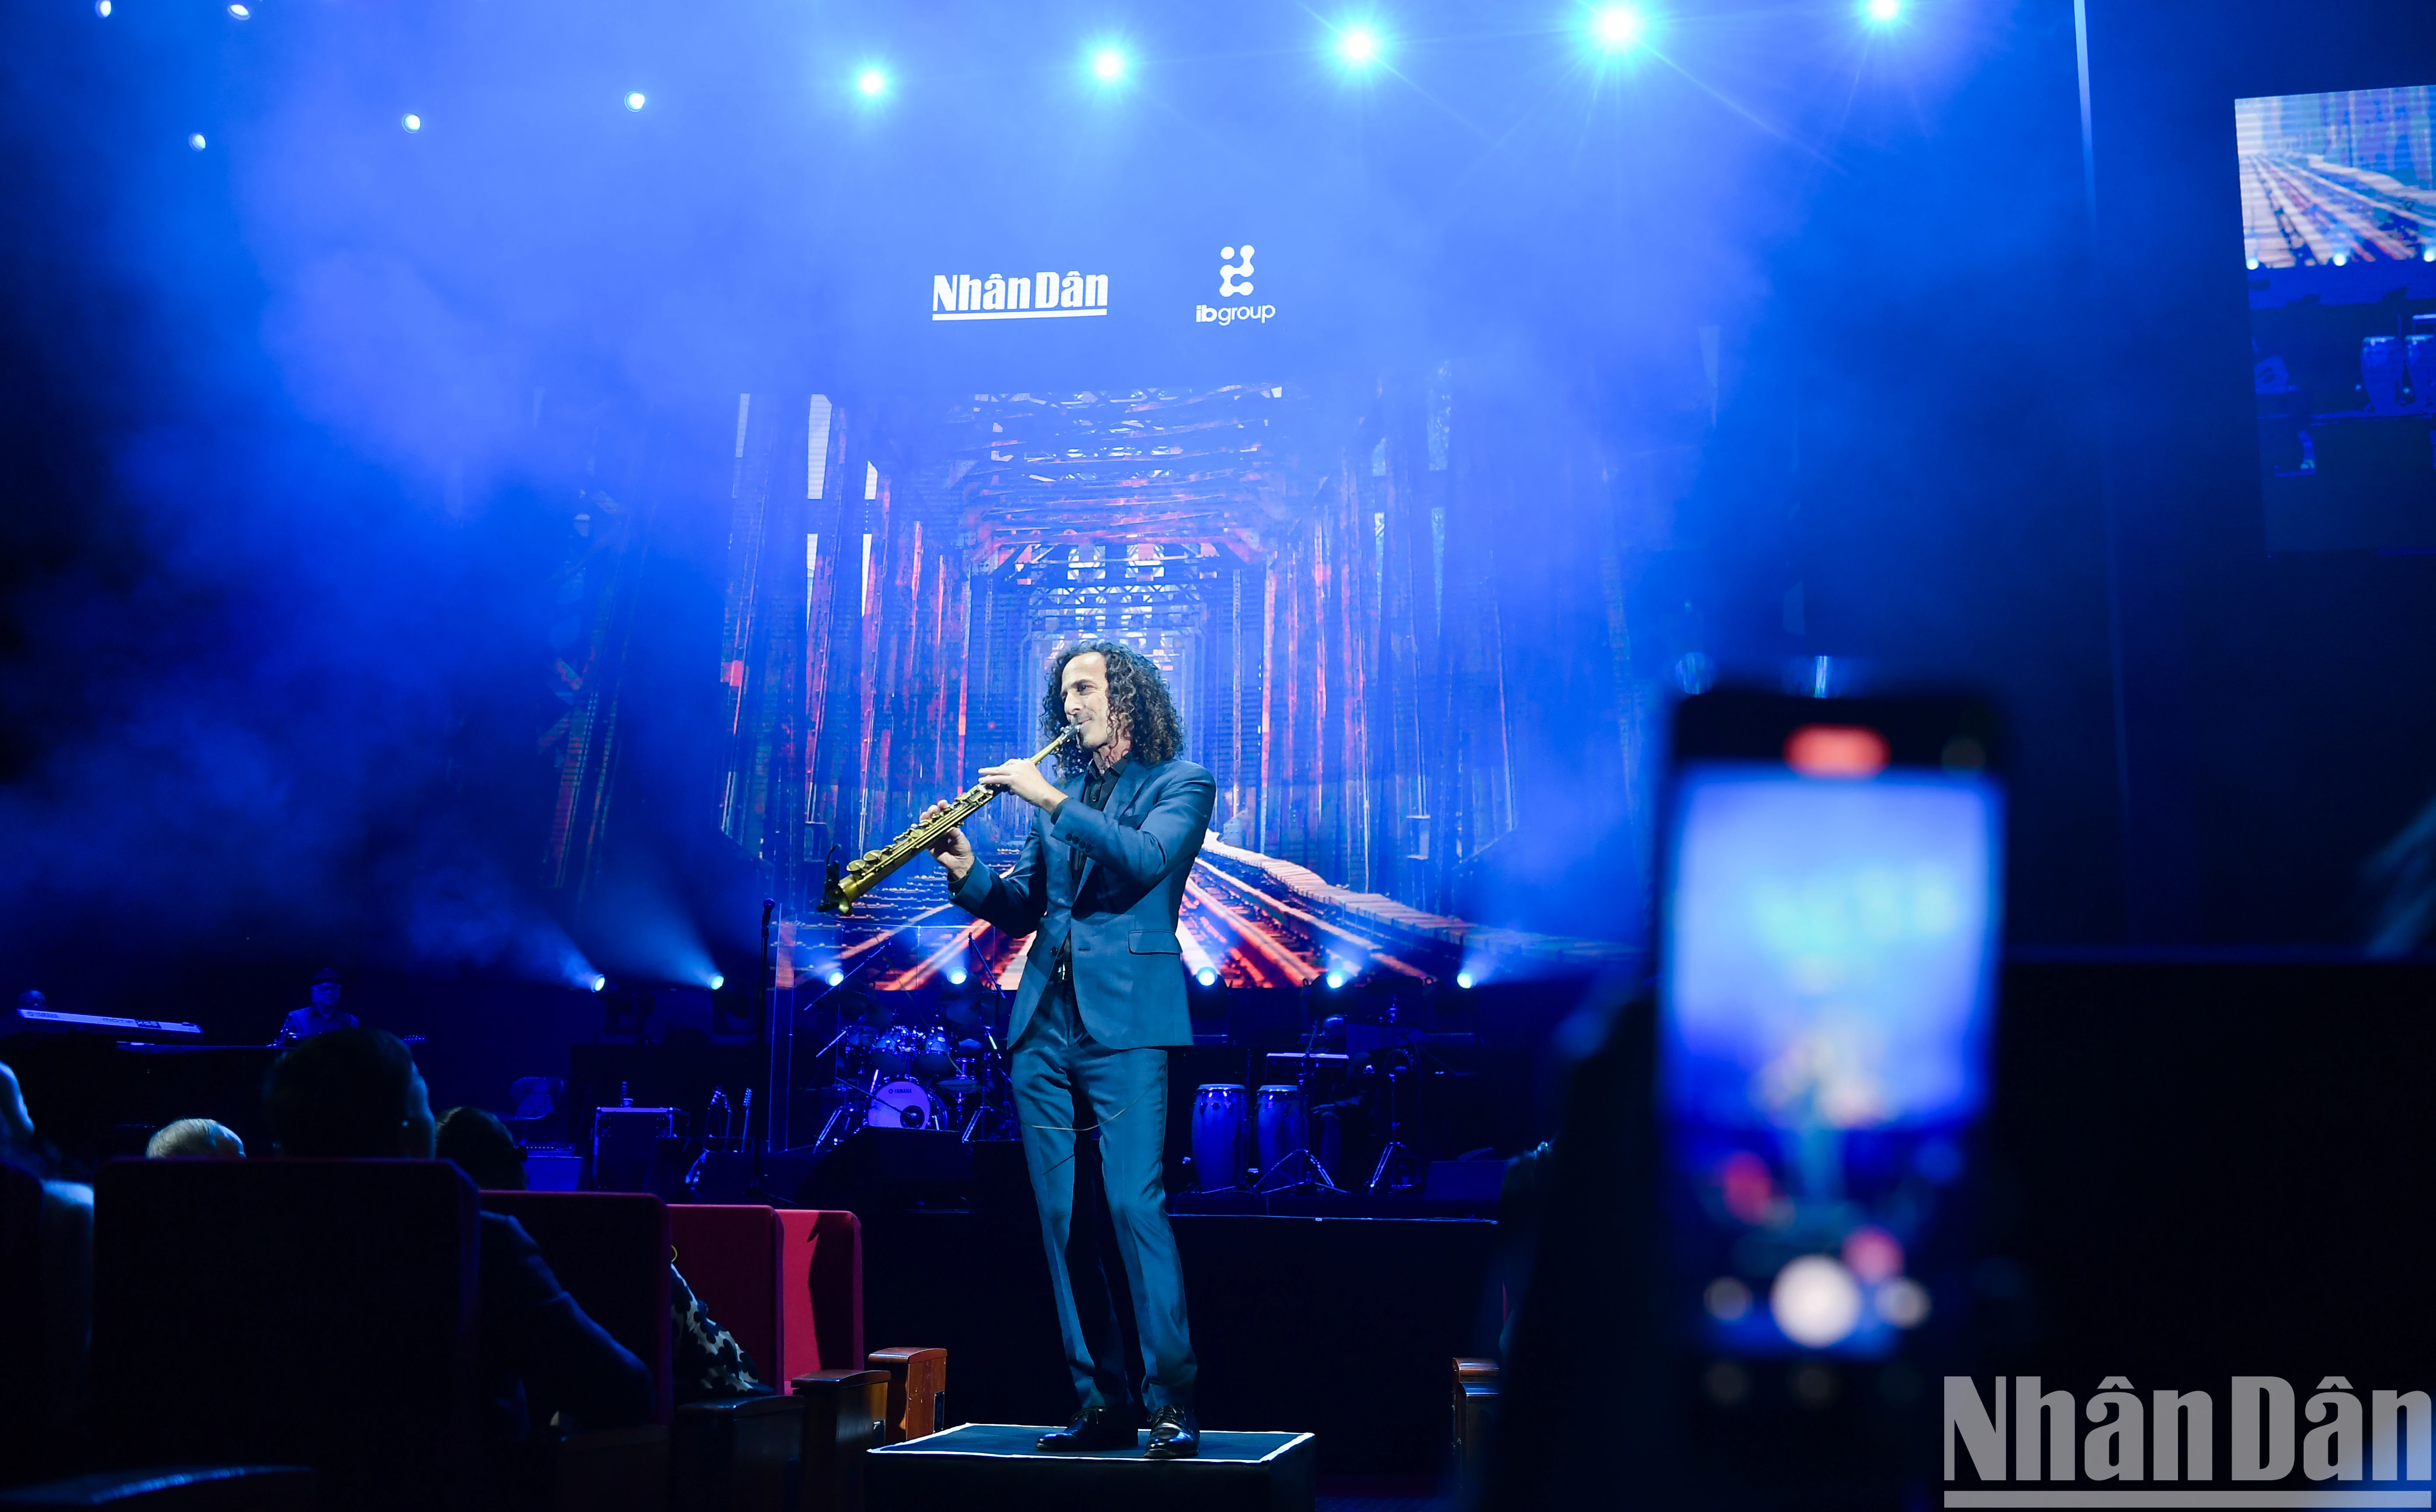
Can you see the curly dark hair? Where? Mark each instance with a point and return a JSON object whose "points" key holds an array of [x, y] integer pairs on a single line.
{"points": [[1139, 704]]}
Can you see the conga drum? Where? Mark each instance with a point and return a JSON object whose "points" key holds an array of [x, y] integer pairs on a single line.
{"points": [[1218, 1137], [1283, 1125]]}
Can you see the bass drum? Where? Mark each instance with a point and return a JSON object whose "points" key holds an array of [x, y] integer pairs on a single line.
{"points": [[904, 1104]]}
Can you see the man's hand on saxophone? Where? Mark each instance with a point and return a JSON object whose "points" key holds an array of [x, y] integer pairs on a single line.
{"points": [[953, 850]]}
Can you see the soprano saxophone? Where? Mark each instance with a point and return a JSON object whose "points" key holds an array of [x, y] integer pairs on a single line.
{"points": [[873, 867]]}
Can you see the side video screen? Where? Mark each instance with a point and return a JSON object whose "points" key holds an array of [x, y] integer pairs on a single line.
{"points": [[2339, 238]]}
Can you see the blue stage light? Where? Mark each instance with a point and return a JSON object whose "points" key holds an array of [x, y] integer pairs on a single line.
{"points": [[1617, 28], [598, 981], [1335, 980], [634, 100], [101, 9], [837, 978], [2428, 255], [410, 121], [956, 978], [717, 982], [872, 82], [1882, 11], [1463, 980], [196, 141], [1108, 64], [1358, 45], [240, 12], [1206, 977]]}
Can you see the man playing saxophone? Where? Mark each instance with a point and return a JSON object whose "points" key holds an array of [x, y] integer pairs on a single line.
{"points": [[1098, 886]]}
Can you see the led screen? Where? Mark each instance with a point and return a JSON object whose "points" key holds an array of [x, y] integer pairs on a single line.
{"points": [[1829, 947], [2338, 242]]}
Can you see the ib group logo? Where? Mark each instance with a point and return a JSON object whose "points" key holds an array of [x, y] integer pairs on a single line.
{"points": [[1234, 282]]}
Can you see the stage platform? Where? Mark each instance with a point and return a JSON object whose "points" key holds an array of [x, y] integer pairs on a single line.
{"points": [[994, 1466]]}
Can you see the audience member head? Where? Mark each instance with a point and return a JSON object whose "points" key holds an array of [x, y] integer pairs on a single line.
{"points": [[192, 1139], [351, 1092], [482, 1148]]}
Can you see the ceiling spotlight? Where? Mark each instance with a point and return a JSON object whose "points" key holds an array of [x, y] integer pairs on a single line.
{"points": [[1616, 27], [101, 8], [1882, 11], [872, 82], [410, 121], [240, 12], [635, 101], [196, 141], [1358, 45], [1109, 64], [717, 982]]}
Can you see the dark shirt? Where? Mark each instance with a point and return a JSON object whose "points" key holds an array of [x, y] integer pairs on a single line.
{"points": [[540, 1353], [303, 1023], [1096, 789]]}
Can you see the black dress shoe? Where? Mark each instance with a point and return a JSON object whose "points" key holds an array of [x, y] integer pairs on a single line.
{"points": [[1174, 1433], [1093, 1428]]}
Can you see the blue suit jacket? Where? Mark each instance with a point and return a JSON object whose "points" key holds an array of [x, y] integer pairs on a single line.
{"points": [[1128, 980]]}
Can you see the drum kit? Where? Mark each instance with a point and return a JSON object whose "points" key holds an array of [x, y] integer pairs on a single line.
{"points": [[948, 1075]]}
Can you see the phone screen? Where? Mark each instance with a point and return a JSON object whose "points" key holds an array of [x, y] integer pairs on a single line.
{"points": [[1827, 966]]}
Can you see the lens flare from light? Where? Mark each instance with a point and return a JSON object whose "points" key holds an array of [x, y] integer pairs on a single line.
{"points": [[1616, 28], [872, 82], [1883, 12], [1108, 65], [1903, 1302], [1816, 1301], [1358, 45], [635, 101]]}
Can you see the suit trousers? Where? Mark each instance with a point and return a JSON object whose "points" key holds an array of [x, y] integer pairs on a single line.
{"points": [[1072, 1092]]}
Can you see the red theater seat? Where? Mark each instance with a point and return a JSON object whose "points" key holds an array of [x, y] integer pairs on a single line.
{"points": [[787, 1282], [314, 1313]]}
